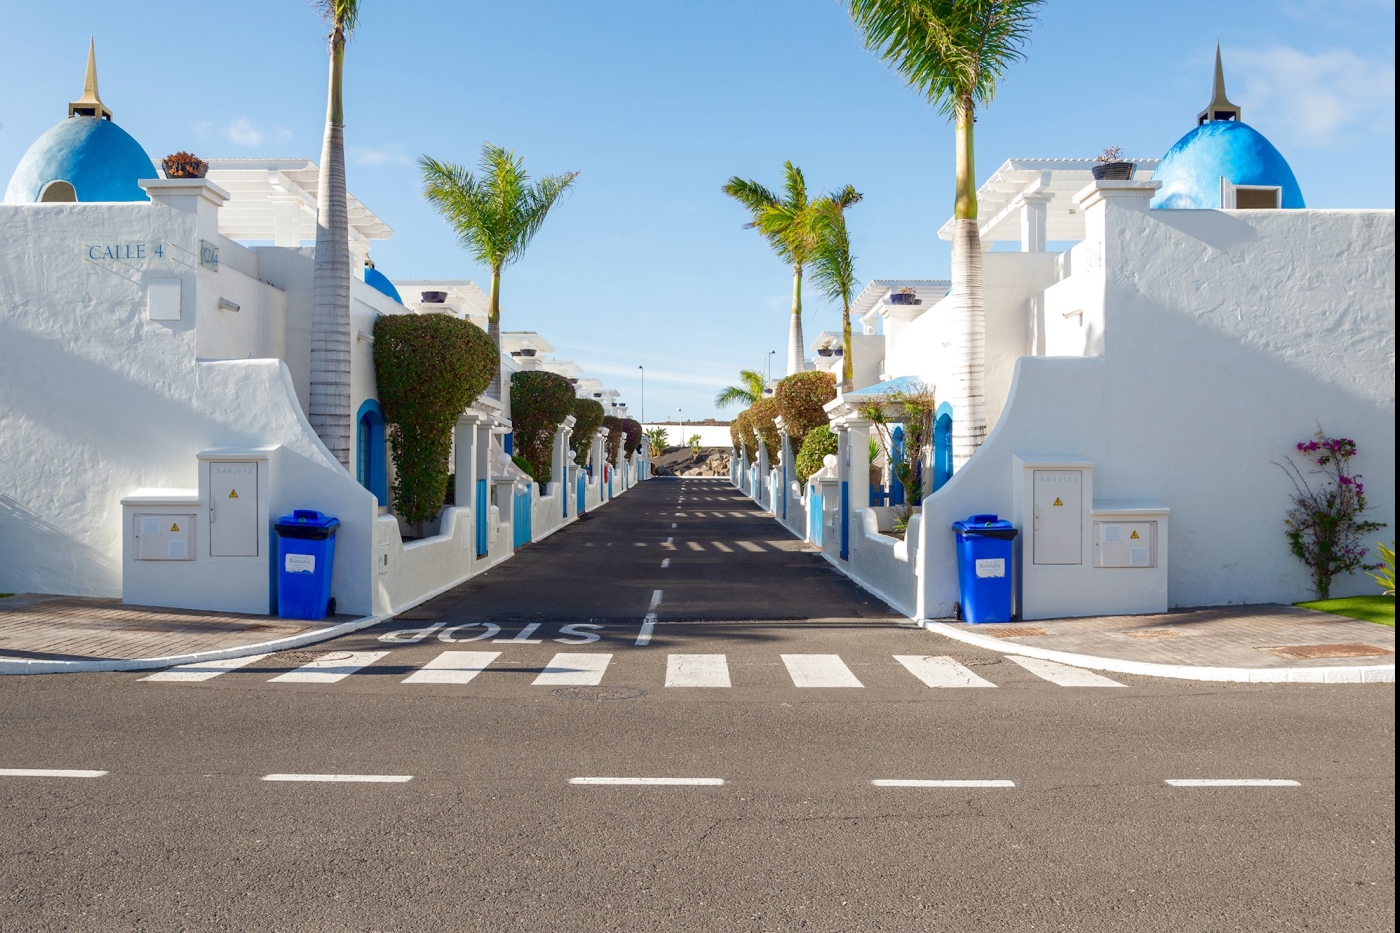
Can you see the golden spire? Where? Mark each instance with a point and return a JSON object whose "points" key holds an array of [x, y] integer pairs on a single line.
{"points": [[90, 105], [1219, 107]]}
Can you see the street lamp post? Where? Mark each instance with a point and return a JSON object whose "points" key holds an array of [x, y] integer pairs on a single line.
{"points": [[768, 366], [643, 371]]}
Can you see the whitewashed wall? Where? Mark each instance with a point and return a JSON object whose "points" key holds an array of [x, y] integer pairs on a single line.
{"points": [[711, 435]]}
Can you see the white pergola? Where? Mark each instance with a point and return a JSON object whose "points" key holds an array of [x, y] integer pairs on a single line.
{"points": [[274, 200]]}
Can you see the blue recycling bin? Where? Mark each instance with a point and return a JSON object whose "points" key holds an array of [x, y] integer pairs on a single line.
{"points": [[305, 555], [984, 568]]}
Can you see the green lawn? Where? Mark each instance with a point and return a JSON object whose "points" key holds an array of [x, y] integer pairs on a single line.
{"points": [[1377, 609]]}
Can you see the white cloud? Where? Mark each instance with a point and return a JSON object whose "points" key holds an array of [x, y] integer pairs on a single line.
{"points": [[241, 131], [1325, 100], [388, 154]]}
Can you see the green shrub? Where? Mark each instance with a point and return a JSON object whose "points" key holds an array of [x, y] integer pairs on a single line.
{"points": [[748, 440], [656, 441], [588, 418], [539, 401], [428, 369], [819, 442], [1384, 572], [734, 437], [524, 465], [761, 415], [800, 398], [632, 432], [613, 445]]}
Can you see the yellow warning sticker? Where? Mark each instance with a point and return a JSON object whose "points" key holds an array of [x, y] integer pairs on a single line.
{"points": [[1057, 501], [174, 527], [1133, 535], [233, 493]]}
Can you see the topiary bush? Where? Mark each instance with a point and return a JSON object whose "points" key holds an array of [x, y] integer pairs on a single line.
{"points": [[819, 442], [800, 398], [632, 431], [616, 435], [734, 433], [743, 428], [761, 415], [428, 369], [588, 418], [539, 401], [525, 465]]}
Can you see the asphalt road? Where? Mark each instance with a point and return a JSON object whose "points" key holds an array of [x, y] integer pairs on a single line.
{"points": [[477, 819]]}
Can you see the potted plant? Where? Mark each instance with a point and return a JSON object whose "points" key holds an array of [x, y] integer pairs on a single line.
{"points": [[184, 165], [905, 296], [434, 298], [1111, 166], [823, 351]]}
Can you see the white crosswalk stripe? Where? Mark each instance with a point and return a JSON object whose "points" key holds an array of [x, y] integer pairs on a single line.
{"points": [[452, 667], [1062, 674], [574, 670], [330, 668], [697, 670], [941, 671], [819, 670], [203, 670]]}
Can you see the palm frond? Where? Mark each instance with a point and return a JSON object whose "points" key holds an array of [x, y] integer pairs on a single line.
{"points": [[340, 14], [833, 266], [749, 390]]}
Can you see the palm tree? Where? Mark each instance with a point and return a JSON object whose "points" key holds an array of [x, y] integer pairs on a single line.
{"points": [[954, 52], [748, 391], [329, 412], [833, 267], [787, 225], [495, 214]]}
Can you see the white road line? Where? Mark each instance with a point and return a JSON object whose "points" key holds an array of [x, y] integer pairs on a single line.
{"points": [[940, 671], [655, 600], [697, 670], [1233, 782], [665, 563], [673, 524], [670, 540], [49, 772], [819, 670], [328, 670], [1063, 674], [522, 637], [649, 623], [203, 670], [695, 545], [919, 783], [452, 667], [574, 670], [650, 781], [750, 546], [722, 547], [343, 778]]}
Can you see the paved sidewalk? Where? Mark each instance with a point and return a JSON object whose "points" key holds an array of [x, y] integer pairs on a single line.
{"points": [[1256, 643], [53, 634]]}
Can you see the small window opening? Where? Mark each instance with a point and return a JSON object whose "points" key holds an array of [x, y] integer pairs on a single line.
{"points": [[1250, 199], [58, 192]]}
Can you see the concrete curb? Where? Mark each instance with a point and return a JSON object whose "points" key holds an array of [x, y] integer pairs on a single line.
{"points": [[1368, 674]]}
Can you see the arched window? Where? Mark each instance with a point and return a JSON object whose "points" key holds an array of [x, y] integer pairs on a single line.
{"points": [[371, 468], [59, 192], [942, 445]]}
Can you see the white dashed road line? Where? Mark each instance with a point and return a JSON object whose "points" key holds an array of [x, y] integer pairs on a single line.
{"points": [[649, 623], [1234, 782], [342, 778], [203, 670], [329, 668], [819, 670], [941, 671], [666, 563], [921, 783], [574, 670], [453, 667], [1062, 674], [697, 670], [49, 772], [650, 781]]}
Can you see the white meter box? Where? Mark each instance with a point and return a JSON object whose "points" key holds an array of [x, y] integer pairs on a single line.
{"points": [[1125, 544], [164, 536]]}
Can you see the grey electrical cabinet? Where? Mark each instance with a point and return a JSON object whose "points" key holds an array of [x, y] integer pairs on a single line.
{"points": [[1125, 544], [233, 508], [1059, 527], [164, 536]]}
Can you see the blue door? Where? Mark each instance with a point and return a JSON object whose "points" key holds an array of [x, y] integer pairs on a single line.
{"points": [[482, 508], [942, 446]]}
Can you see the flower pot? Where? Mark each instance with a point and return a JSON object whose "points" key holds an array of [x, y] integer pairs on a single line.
{"points": [[184, 165], [434, 298], [904, 298], [1114, 171], [824, 351]]}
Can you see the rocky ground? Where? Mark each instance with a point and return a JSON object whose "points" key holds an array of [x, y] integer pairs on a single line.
{"points": [[680, 461]]}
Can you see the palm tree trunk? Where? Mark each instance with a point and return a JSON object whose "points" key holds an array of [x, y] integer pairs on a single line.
{"points": [[493, 330], [969, 313], [330, 305], [847, 367], [797, 358]]}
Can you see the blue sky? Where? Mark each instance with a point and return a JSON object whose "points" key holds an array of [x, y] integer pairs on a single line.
{"points": [[656, 104]]}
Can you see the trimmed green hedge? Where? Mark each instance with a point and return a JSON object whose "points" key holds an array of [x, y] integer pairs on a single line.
{"points": [[539, 401], [743, 427], [588, 418], [800, 398], [428, 369], [819, 442], [761, 415]]}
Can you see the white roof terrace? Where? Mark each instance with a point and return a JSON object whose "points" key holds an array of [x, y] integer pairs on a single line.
{"points": [[275, 200]]}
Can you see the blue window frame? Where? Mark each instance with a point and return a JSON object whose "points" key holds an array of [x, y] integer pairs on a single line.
{"points": [[371, 451]]}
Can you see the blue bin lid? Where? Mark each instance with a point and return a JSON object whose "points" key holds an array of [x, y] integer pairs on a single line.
{"points": [[309, 518], [982, 523]]}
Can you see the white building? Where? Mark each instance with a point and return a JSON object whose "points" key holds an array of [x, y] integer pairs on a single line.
{"points": [[1159, 342]]}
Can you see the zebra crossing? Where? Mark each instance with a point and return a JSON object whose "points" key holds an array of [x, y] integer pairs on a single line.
{"points": [[588, 669]]}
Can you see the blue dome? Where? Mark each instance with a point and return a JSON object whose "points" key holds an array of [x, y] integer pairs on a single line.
{"points": [[1191, 170], [380, 282], [98, 158]]}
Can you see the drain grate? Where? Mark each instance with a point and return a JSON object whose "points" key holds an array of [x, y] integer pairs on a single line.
{"points": [[1017, 632], [1313, 652], [597, 694], [1155, 633]]}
